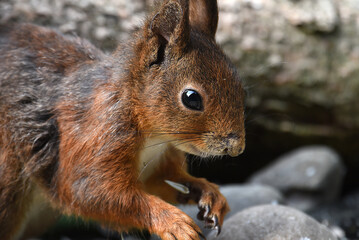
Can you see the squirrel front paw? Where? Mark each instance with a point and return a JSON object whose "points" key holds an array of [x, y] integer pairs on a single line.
{"points": [[212, 204], [173, 224], [212, 210]]}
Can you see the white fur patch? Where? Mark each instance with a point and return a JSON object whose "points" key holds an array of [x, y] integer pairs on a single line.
{"points": [[37, 205], [150, 156]]}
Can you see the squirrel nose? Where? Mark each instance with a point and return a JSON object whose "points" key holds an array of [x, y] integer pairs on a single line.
{"points": [[234, 152], [235, 145]]}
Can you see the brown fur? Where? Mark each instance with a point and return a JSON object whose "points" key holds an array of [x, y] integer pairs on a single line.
{"points": [[76, 123]]}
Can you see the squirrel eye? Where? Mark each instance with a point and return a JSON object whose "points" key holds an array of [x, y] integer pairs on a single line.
{"points": [[192, 100]]}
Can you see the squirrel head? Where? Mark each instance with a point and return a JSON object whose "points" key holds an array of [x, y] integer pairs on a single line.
{"points": [[191, 95]]}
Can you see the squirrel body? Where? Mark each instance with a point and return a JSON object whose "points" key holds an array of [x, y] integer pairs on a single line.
{"points": [[97, 135]]}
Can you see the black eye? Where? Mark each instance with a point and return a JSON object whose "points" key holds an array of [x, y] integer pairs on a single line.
{"points": [[192, 100]]}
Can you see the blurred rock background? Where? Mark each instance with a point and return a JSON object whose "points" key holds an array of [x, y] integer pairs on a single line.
{"points": [[299, 60]]}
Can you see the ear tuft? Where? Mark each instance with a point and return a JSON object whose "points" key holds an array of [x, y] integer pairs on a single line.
{"points": [[167, 19]]}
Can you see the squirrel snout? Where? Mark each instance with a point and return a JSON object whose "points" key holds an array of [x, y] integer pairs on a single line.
{"points": [[235, 145]]}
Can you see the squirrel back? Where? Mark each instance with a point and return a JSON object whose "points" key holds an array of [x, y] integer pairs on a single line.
{"points": [[35, 63]]}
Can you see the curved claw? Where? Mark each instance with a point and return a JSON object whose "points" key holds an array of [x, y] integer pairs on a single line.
{"points": [[218, 230], [216, 225], [211, 222], [215, 221], [204, 212]]}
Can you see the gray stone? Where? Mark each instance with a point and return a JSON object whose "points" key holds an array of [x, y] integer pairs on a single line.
{"points": [[296, 98], [244, 196], [269, 222], [320, 15], [104, 23], [307, 176]]}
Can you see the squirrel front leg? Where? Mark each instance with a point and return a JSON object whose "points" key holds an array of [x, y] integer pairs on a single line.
{"points": [[99, 180], [212, 204], [123, 205]]}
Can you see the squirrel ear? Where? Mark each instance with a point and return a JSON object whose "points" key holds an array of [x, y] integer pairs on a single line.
{"points": [[171, 22], [203, 16]]}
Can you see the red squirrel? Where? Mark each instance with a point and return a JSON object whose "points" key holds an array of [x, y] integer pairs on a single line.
{"points": [[97, 136]]}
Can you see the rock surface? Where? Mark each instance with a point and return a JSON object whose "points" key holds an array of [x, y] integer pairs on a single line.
{"points": [[244, 196], [342, 216], [104, 23], [307, 177], [299, 59], [268, 222]]}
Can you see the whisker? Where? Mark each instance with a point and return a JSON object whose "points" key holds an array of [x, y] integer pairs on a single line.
{"points": [[164, 142], [185, 140], [160, 132], [172, 140], [184, 161], [174, 132], [192, 140]]}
